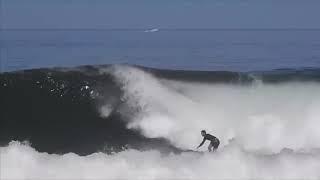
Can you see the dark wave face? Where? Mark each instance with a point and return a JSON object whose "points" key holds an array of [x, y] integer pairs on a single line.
{"points": [[57, 110]]}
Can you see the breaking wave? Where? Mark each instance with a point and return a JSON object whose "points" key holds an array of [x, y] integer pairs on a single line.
{"points": [[103, 120]]}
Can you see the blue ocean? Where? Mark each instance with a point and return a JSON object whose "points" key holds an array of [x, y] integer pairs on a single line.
{"points": [[188, 49]]}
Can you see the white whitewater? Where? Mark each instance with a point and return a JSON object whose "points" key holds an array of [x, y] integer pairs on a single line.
{"points": [[261, 117]]}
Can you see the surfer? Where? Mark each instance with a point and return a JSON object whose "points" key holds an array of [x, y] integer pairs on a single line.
{"points": [[214, 141]]}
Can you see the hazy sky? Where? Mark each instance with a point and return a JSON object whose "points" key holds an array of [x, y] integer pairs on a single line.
{"points": [[160, 13]]}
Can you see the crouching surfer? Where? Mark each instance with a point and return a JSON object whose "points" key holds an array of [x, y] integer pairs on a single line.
{"points": [[214, 141]]}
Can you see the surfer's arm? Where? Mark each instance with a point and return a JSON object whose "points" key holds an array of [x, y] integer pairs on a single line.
{"points": [[204, 139]]}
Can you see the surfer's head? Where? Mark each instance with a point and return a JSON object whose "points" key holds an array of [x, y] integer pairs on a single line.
{"points": [[203, 132]]}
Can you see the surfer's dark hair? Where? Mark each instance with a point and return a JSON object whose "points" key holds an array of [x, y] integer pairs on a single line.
{"points": [[203, 131]]}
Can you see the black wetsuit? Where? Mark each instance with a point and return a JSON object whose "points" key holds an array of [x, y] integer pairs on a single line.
{"points": [[214, 141]]}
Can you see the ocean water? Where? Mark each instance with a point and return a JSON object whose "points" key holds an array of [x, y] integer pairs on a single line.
{"points": [[122, 104], [237, 50]]}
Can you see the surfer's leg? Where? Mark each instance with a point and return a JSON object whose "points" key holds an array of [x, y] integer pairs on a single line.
{"points": [[210, 147], [216, 144]]}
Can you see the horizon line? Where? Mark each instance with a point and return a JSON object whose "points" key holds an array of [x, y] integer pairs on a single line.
{"points": [[160, 29]]}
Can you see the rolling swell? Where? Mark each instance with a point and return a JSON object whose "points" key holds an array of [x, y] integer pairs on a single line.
{"points": [[274, 76], [56, 110]]}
